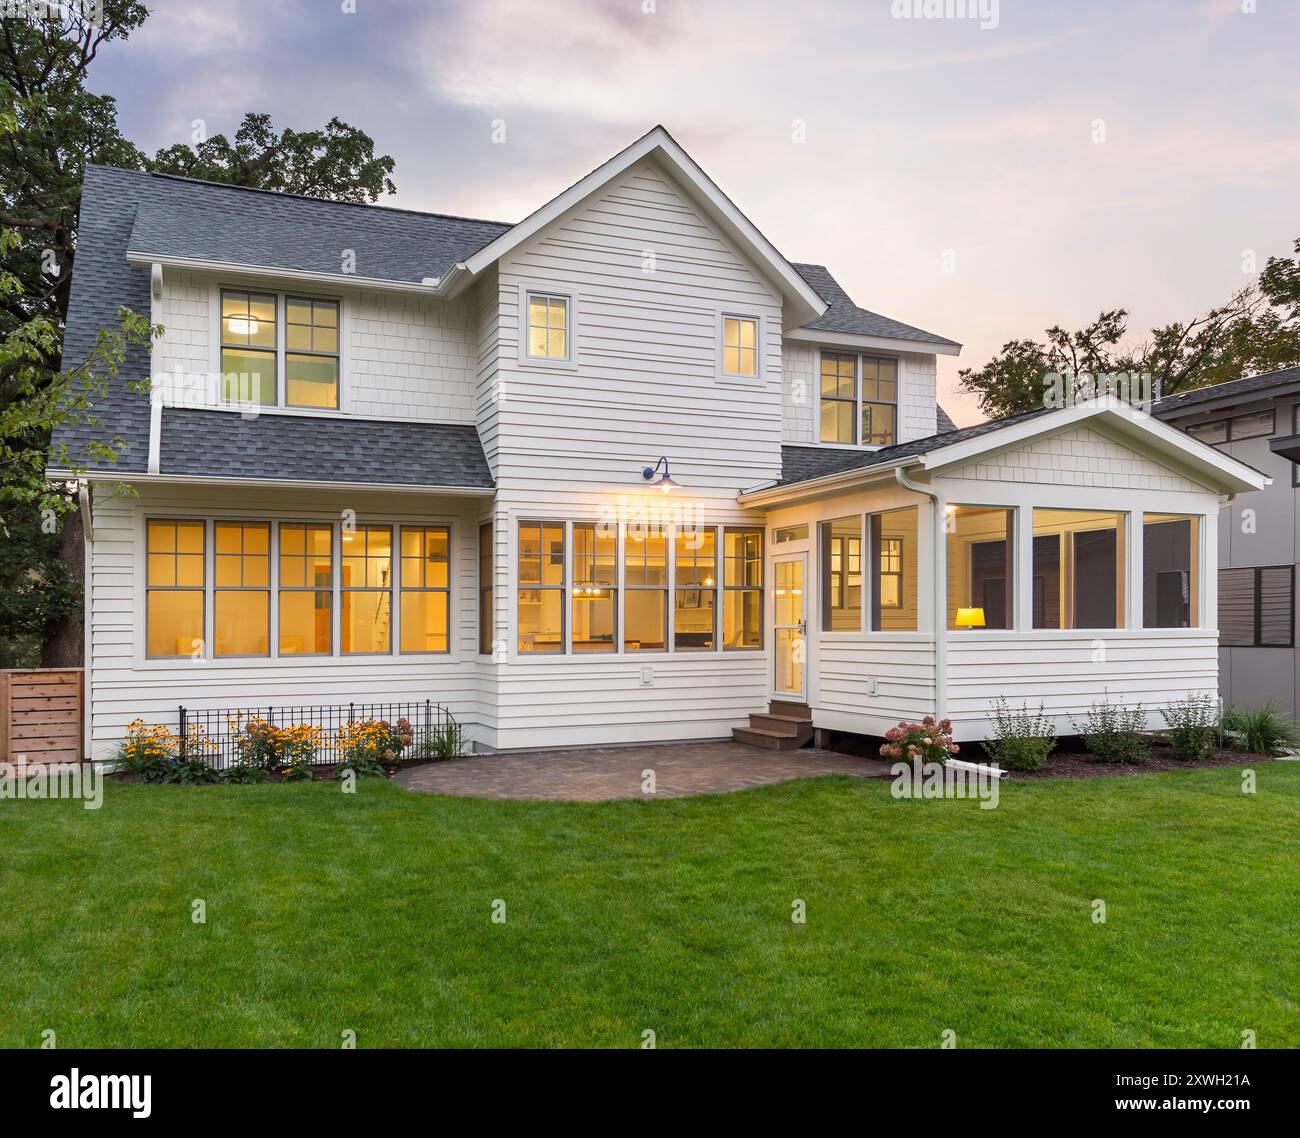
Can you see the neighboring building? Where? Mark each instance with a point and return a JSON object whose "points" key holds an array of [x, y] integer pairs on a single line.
{"points": [[393, 455], [1255, 420]]}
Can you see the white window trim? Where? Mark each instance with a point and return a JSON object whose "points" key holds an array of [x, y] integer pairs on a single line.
{"points": [[858, 356], [336, 657], [724, 376], [565, 292], [217, 387]]}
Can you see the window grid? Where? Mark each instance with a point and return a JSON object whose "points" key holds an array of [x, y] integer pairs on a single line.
{"points": [[241, 570], [595, 587], [367, 550], [425, 580], [543, 556], [645, 582], [742, 587], [695, 590], [303, 548], [311, 338], [859, 399], [740, 346], [548, 326], [175, 552], [249, 347]]}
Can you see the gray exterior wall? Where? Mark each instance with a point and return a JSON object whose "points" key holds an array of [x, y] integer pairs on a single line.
{"points": [[1260, 528]]}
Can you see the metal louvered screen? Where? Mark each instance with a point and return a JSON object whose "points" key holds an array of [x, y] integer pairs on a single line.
{"points": [[1276, 609], [1236, 608]]}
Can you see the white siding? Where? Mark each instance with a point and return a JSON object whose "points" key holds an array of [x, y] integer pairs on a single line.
{"points": [[802, 387]]}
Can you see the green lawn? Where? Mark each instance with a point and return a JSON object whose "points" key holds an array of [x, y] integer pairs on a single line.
{"points": [[372, 912]]}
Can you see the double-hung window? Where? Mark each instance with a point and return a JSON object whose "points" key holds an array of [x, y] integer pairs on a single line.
{"points": [[548, 326], [175, 587], [696, 592], [595, 587], [740, 346], [300, 369], [426, 588], [859, 399], [541, 586], [742, 588], [306, 589], [242, 596], [645, 581], [367, 590]]}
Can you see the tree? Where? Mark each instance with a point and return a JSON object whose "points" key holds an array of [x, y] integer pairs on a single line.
{"points": [[1257, 330], [338, 162], [50, 128]]}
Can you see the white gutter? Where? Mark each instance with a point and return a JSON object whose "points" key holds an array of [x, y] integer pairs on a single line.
{"points": [[265, 272], [849, 479], [87, 592], [939, 574], [278, 483]]}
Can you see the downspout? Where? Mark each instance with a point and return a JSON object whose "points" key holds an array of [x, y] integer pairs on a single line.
{"points": [[938, 574], [85, 502]]}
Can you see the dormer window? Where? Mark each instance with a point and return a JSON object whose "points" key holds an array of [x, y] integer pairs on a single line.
{"points": [[740, 346], [859, 399], [279, 350], [548, 327]]}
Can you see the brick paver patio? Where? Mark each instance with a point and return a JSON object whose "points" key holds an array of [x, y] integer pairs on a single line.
{"points": [[597, 774]]}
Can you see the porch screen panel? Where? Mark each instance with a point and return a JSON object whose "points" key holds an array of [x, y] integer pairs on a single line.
{"points": [[174, 587], [1170, 570], [893, 554], [242, 588], [595, 587], [1078, 560], [840, 551], [696, 591], [645, 585], [540, 600], [980, 570], [367, 590], [742, 588], [425, 588], [306, 589]]}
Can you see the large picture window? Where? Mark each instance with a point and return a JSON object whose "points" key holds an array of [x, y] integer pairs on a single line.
{"points": [[367, 590], [174, 587], [595, 587], [426, 588], [242, 598], [841, 566], [541, 587], [645, 583], [980, 567], [306, 589], [696, 592], [1078, 569], [742, 588], [1170, 570], [893, 551]]}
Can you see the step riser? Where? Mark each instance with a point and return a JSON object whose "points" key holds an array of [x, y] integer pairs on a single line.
{"points": [[784, 710]]}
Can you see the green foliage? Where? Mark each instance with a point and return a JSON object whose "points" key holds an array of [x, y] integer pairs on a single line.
{"points": [[1256, 330], [338, 162], [1022, 739], [1191, 726], [242, 773], [299, 771], [187, 772], [1262, 730], [361, 765], [437, 744], [1112, 732]]}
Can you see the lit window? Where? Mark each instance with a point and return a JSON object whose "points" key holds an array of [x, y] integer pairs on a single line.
{"points": [[696, 592], [595, 592], [541, 587], [879, 400], [367, 590], [548, 327], [1078, 569], [174, 552], [306, 589], [242, 592], [248, 347], [893, 543], [839, 397], [426, 597], [1170, 570], [841, 563], [742, 588], [645, 582], [980, 573], [739, 346], [485, 616], [311, 355]]}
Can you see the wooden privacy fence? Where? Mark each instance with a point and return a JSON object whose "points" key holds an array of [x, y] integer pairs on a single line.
{"points": [[40, 715]]}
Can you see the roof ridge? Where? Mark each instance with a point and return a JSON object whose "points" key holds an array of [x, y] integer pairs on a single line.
{"points": [[1226, 383], [296, 197]]}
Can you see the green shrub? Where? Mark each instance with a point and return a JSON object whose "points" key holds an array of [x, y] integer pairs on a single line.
{"points": [[927, 741], [1022, 739], [439, 743], [1112, 732], [243, 773], [1191, 726], [1262, 730], [299, 771], [186, 772], [362, 765]]}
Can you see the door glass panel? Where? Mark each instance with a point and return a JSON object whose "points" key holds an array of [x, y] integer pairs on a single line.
{"points": [[789, 630]]}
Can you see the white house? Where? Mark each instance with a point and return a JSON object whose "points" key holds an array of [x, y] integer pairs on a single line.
{"points": [[401, 456]]}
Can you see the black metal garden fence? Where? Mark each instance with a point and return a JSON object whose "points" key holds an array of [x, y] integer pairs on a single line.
{"points": [[224, 737]]}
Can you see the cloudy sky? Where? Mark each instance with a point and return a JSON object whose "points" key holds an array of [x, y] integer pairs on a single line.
{"points": [[981, 182]]}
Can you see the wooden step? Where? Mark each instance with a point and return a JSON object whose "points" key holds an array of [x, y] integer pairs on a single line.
{"points": [[768, 740], [787, 710], [777, 724]]}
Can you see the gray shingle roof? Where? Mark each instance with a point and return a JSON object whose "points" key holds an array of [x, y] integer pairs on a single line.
{"points": [[308, 449], [802, 463], [845, 316], [944, 421], [1241, 389]]}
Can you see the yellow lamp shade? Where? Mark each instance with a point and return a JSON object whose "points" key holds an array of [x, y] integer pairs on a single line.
{"points": [[970, 618]]}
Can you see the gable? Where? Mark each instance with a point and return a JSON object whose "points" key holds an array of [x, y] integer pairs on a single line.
{"points": [[1077, 456]]}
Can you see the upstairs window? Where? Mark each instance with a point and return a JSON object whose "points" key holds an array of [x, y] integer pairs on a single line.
{"points": [[548, 327], [258, 367], [859, 399], [740, 346]]}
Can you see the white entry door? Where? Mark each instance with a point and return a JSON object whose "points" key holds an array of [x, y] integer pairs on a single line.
{"points": [[790, 627]]}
